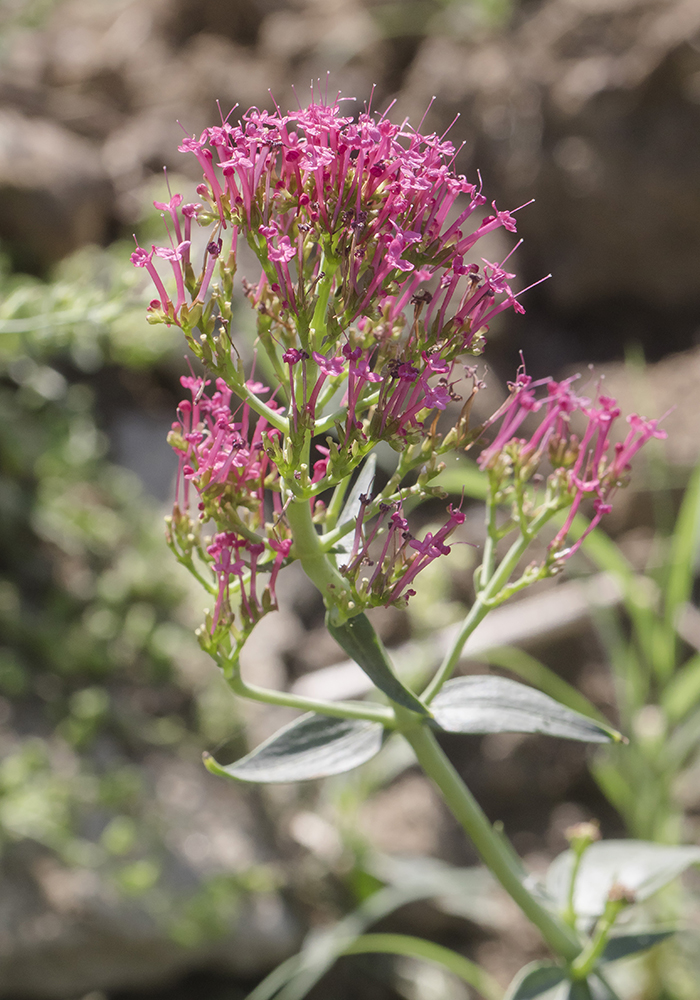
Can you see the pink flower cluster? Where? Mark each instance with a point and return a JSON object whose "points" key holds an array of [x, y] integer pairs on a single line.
{"points": [[591, 466], [366, 303], [237, 557], [400, 558], [315, 189], [225, 460], [406, 394]]}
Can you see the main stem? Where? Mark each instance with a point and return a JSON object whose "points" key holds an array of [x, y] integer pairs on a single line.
{"points": [[494, 850], [315, 563]]}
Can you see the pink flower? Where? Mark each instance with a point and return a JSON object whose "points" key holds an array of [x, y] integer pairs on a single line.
{"points": [[283, 252], [402, 557]]}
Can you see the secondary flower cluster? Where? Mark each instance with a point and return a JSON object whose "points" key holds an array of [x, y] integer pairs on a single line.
{"points": [[586, 466], [385, 576]]}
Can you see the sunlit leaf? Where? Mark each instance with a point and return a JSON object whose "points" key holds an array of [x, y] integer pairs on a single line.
{"points": [[489, 704], [641, 867], [314, 746]]}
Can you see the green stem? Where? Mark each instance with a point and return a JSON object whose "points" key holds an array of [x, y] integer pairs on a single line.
{"points": [[495, 851], [335, 507], [483, 604], [477, 613], [413, 947], [336, 709], [318, 321], [273, 418], [315, 563], [328, 422], [570, 911], [487, 563], [586, 962]]}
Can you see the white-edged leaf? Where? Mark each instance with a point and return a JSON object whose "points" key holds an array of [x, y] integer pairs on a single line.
{"points": [[535, 980], [622, 945], [490, 704], [351, 508], [313, 746], [639, 866]]}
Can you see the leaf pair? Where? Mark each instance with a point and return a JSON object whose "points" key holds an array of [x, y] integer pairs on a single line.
{"points": [[540, 979], [317, 746], [642, 868]]}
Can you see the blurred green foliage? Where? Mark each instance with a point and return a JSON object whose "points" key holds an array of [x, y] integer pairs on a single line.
{"points": [[402, 18], [96, 646]]}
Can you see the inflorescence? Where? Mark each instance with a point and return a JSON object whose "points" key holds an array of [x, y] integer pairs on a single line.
{"points": [[367, 305]]}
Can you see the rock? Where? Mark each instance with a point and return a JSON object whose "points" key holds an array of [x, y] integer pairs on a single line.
{"points": [[669, 389], [592, 107], [66, 931], [54, 194]]}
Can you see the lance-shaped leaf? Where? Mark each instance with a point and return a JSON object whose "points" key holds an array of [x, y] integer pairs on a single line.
{"points": [[623, 945], [641, 867], [313, 746], [581, 990], [592, 988], [488, 704], [534, 980], [363, 645], [363, 487]]}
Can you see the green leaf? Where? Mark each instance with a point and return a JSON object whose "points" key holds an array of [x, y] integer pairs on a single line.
{"points": [[684, 551], [623, 945], [682, 693], [359, 640], [351, 508], [294, 978], [684, 741], [413, 947], [613, 783], [597, 989], [638, 865], [489, 704], [314, 746], [581, 990], [534, 980], [467, 477], [540, 676]]}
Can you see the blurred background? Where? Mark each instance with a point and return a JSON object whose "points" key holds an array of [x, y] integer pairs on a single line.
{"points": [[125, 869]]}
